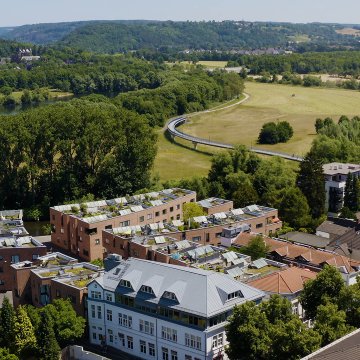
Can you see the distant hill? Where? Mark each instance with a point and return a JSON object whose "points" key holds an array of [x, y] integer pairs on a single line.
{"points": [[48, 33], [122, 35], [226, 35]]}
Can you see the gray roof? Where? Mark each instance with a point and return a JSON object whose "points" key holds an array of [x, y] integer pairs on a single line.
{"points": [[332, 228], [306, 239], [199, 292]]}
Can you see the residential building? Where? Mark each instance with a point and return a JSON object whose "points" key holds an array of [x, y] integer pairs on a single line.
{"points": [[14, 250], [215, 205], [51, 277], [306, 257], [159, 311], [78, 227], [287, 283], [335, 181]]}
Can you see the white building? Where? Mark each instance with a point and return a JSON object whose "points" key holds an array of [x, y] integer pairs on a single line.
{"points": [[335, 180], [160, 311]]}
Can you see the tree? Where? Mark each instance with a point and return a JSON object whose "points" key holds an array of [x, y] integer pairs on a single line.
{"points": [[24, 340], [327, 285], [311, 182], [352, 193], [48, 347], [5, 355], [68, 326], [293, 208], [330, 323], [7, 322], [256, 248], [191, 210], [346, 213], [269, 331], [319, 124], [285, 131], [268, 134]]}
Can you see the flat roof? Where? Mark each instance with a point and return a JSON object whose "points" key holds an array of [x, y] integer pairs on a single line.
{"points": [[340, 168], [306, 239]]}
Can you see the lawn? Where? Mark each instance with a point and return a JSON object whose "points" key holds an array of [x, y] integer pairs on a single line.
{"points": [[268, 102], [53, 94], [208, 64]]}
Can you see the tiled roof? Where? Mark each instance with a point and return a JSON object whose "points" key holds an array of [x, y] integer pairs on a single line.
{"points": [[298, 252], [288, 281]]}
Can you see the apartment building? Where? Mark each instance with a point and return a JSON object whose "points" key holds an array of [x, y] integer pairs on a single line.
{"points": [[335, 181], [51, 277], [14, 250], [78, 227], [159, 311]]}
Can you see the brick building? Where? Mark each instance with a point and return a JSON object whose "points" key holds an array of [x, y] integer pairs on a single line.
{"points": [[78, 227]]}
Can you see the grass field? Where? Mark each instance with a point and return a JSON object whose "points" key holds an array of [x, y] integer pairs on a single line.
{"points": [[268, 102], [208, 64], [53, 94]]}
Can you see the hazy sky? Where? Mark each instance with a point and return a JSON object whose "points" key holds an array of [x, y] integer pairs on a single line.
{"points": [[38, 11]]}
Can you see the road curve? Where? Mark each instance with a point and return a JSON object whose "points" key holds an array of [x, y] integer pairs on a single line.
{"points": [[173, 124]]}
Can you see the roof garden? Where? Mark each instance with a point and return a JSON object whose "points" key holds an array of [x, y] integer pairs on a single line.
{"points": [[211, 202], [82, 269], [101, 210]]}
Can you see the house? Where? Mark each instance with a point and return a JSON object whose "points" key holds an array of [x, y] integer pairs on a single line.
{"points": [[335, 181], [160, 311], [287, 283], [333, 228], [78, 227]]}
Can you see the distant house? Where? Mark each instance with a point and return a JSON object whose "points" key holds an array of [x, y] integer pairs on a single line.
{"points": [[287, 283], [335, 181]]}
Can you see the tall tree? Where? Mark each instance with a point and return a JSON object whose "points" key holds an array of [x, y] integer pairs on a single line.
{"points": [[256, 248], [328, 284], [352, 193], [24, 340], [7, 322], [311, 182], [48, 347]]}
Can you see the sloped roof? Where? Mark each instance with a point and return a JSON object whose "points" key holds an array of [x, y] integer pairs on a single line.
{"points": [[198, 291], [288, 281]]}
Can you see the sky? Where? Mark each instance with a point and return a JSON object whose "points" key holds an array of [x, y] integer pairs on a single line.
{"points": [[20, 12]]}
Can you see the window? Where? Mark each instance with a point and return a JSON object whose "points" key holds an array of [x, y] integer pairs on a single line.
{"points": [[85, 252], [124, 223], [157, 213], [207, 237], [146, 327], [168, 334], [196, 238], [147, 289], [171, 209], [170, 295], [149, 216], [174, 355], [109, 297], [125, 320], [96, 294], [2, 282], [1, 269], [35, 256], [258, 226], [234, 295], [125, 283], [1, 258], [193, 341], [108, 227], [122, 339], [99, 312], [92, 311], [217, 340], [165, 353], [143, 346], [109, 315], [177, 206], [188, 357], [111, 335], [97, 242], [15, 259], [178, 217], [142, 218], [94, 335], [164, 211], [130, 342], [151, 349]]}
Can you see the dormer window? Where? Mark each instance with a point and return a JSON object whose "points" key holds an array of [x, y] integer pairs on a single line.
{"points": [[125, 283], [147, 289], [235, 295], [170, 295]]}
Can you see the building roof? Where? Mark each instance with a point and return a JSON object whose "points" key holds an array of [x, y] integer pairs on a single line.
{"points": [[304, 254], [340, 168], [334, 228], [345, 348], [200, 292], [288, 281], [306, 239]]}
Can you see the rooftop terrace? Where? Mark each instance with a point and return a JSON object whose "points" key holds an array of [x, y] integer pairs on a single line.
{"points": [[101, 210], [20, 242]]}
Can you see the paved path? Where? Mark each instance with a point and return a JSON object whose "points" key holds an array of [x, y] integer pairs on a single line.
{"points": [[174, 123]]}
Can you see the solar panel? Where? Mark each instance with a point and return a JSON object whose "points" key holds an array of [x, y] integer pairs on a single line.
{"points": [[160, 239], [221, 215], [156, 202], [253, 208], [200, 219], [178, 223], [260, 263], [125, 212], [237, 212], [94, 219], [136, 208], [120, 200]]}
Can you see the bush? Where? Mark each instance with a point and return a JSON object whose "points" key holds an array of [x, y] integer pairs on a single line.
{"points": [[272, 133]]}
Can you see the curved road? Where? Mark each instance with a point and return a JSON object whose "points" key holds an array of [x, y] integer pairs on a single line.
{"points": [[173, 124]]}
